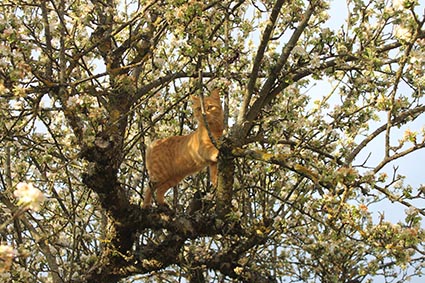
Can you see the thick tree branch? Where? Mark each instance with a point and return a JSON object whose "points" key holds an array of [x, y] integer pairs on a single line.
{"points": [[281, 160], [155, 256], [227, 261]]}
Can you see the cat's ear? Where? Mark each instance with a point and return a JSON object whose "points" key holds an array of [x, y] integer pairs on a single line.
{"points": [[215, 94]]}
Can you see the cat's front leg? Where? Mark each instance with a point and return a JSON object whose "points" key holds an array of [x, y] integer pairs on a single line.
{"points": [[209, 152], [214, 155], [214, 174]]}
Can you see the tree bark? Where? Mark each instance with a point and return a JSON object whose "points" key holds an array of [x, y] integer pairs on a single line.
{"points": [[226, 168]]}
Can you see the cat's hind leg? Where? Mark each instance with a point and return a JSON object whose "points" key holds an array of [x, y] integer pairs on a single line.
{"points": [[147, 201], [159, 189], [160, 193], [162, 188]]}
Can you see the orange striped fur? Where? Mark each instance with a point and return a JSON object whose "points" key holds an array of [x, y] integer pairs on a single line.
{"points": [[171, 159]]}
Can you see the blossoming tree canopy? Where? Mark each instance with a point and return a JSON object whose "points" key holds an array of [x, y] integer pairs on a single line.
{"points": [[319, 176]]}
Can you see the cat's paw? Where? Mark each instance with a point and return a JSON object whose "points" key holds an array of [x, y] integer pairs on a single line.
{"points": [[147, 206], [214, 156]]}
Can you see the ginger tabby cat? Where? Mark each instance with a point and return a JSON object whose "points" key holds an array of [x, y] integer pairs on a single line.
{"points": [[171, 159]]}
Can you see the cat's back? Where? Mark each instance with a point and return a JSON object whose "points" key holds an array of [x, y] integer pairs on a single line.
{"points": [[172, 157], [166, 147]]}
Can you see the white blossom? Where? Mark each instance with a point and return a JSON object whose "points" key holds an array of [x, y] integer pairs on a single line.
{"points": [[315, 61], [74, 101], [235, 203], [19, 91], [4, 50], [7, 253], [29, 196], [238, 270], [417, 57], [411, 211], [398, 4], [299, 50], [398, 184], [5, 276], [402, 32]]}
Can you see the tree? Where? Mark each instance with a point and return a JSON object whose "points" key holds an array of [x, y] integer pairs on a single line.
{"points": [[86, 85]]}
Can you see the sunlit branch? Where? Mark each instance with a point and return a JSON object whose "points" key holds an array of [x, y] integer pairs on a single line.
{"points": [[267, 34], [398, 120], [266, 94], [403, 61], [398, 155], [281, 160], [399, 199]]}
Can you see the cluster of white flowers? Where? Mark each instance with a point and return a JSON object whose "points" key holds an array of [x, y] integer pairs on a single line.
{"points": [[398, 4], [417, 57], [4, 50], [410, 136], [29, 196], [411, 211], [401, 32], [74, 101], [7, 254]]}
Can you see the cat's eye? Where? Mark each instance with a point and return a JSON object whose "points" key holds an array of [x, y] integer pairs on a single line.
{"points": [[211, 108]]}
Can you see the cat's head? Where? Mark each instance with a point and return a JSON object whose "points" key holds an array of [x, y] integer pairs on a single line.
{"points": [[213, 110]]}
